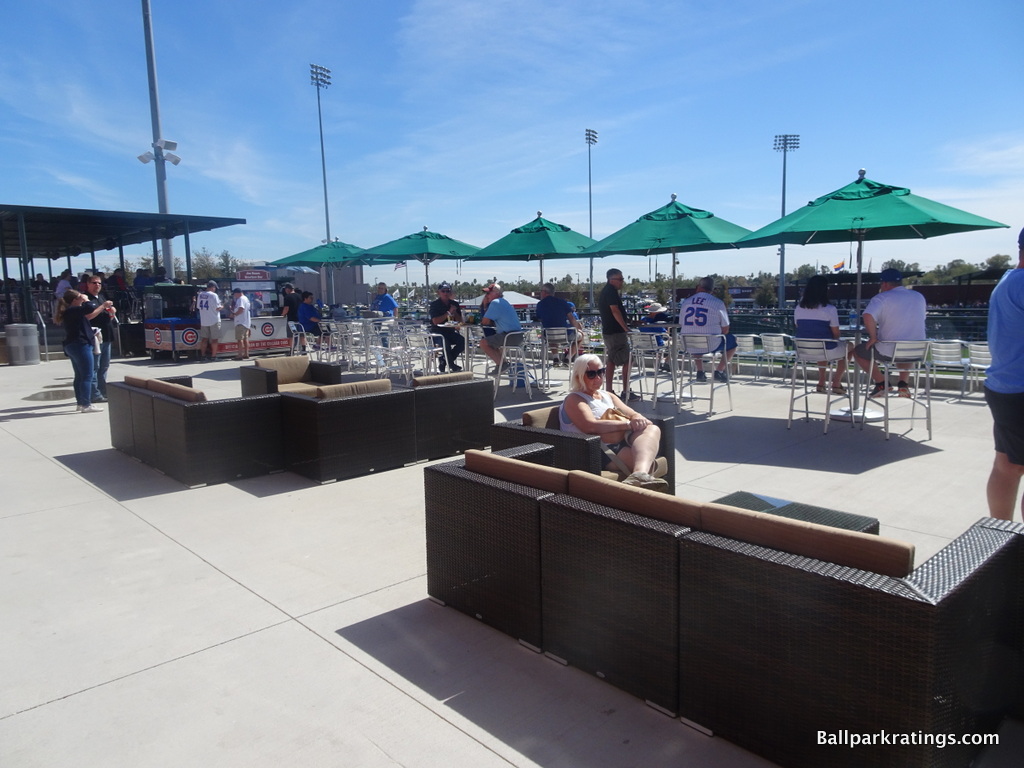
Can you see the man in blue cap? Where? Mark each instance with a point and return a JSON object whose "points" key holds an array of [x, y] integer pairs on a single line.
{"points": [[1004, 388], [894, 314]]}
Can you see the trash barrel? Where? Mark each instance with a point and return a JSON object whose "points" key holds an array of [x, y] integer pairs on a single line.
{"points": [[22, 344]]}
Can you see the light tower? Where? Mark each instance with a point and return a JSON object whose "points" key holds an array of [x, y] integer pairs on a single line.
{"points": [[784, 143], [591, 138]]}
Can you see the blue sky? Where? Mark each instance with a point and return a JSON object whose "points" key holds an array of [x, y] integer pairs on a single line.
{"points": [[468, 116]]}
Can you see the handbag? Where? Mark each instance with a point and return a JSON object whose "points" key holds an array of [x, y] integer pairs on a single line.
{"points": [[614, 414]]}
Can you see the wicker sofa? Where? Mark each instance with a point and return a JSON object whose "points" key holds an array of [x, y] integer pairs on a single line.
{"points": [[574, 450], [298, 373], [172, 427], [766, 631]]}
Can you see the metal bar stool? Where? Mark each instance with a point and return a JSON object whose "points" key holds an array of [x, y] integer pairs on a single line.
{"points": [[513, 352], [707, 346], [908, 359], [816, 352]]}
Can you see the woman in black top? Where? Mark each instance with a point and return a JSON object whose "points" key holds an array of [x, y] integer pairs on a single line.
{"points": [[78, 343]]}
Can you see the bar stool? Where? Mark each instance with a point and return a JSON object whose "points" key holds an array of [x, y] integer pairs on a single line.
{"points": [[643, 344], [708, 346], [814, 352], [908, 359], [513, 352]]}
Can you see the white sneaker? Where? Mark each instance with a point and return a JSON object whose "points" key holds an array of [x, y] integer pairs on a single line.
{"points": [[89, 409]]}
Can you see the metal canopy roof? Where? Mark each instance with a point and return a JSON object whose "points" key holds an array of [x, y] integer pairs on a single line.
{"points": [[59, 232]]}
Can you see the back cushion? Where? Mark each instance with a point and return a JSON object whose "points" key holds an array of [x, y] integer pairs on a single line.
{"points": [[177, 391], [866, 551], [335, 391], [542, 418], [639, 501], [445, 378], [289, 369], [136, 381], [515, 471]]}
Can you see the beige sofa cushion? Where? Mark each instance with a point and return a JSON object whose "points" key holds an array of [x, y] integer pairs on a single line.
{"points": [[299, 388], [289, 369], [444, 378], [611, 493], [136, 381], [335, 391], [542, 418], [877, 554], [549, 479], [179, 391]]}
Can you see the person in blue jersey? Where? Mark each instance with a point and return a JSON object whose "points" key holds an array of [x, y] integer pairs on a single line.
{"points": [[816, 318], [553, 312], [1004, 389], [384, 302]]}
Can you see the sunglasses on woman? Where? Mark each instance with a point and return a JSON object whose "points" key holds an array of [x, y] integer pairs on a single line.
{"points": [[594, 374]]}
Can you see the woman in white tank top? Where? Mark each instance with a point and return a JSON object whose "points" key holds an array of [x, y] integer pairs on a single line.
{"points": [[635, 443]]}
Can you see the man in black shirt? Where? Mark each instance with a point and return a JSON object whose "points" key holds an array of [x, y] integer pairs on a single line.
{"points": [[444, 309], [289, 304], [615, 331]]}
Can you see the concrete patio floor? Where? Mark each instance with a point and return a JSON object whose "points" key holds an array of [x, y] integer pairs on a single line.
{"points": [[275, 622]]}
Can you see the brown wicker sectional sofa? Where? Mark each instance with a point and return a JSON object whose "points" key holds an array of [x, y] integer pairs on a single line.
{"points": [[765, 631], [172, 427], [336, 431]]}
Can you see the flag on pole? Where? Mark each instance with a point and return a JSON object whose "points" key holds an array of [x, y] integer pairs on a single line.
{"points": [[839, 266], [399, 265]]}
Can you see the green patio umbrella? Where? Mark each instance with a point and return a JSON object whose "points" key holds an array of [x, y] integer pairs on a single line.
{"points": [[866, 210], [328, 255], [673, 228], [540, 239], [424, 247]]}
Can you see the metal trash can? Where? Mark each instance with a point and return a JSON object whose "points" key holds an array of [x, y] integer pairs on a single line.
{"points": [[22, 344]]}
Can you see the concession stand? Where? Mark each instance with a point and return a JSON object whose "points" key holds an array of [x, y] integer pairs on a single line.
{"points": [[172, 321]]}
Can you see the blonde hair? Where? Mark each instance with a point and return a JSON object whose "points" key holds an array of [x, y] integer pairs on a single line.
{"points": [[69, 297], [579, 370]]}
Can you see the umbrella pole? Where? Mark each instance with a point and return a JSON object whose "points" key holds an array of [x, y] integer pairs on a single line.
{"points": [[672, 298], [541, 271], [856, 333]]}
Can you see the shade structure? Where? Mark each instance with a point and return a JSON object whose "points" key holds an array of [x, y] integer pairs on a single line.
{"points": [[673, 228], [516, 299], [328, 255], [425, 247], [536, 241], [866, 210]]}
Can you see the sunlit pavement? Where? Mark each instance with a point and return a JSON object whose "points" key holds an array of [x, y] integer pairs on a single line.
{"points": [[274, 622]]}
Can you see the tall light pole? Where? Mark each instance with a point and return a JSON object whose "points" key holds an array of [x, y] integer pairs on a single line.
{"points": [[159, 143], [591, 138], [320, 77], [784, 143]]}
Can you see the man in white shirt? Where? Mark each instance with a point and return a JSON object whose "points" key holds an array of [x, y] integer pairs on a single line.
{"points": [[209, 307], [242, 315], [894, 314], [705, 314]]}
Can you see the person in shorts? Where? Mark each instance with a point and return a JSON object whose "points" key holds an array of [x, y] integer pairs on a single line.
{"points": [[241, 313], [1004, 389], [209, 307], [502, 317], [615, 332]]}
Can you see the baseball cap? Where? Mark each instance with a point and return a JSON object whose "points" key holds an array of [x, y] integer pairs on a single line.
{"points": [[236, 289], [445, 286], [891, 276], [211, 284], [655, 307]]}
